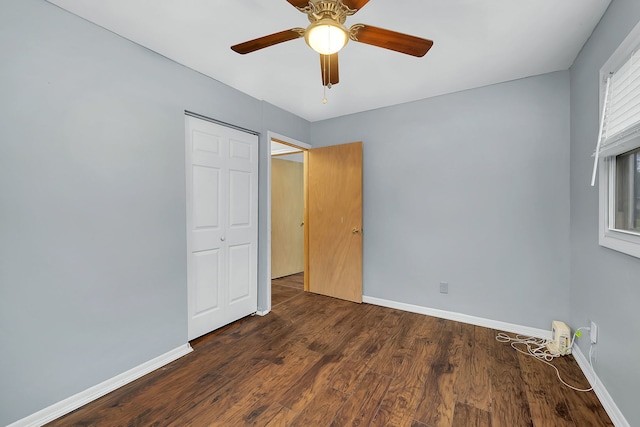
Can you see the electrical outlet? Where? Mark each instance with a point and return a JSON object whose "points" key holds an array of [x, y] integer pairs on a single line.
{"points": [[444, 287], [594, 332]]}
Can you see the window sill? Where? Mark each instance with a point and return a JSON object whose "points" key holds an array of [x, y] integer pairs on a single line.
{"points": [[626, 243]]}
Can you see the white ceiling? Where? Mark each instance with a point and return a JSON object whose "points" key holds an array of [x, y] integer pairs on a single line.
{"points": [[476, 43]]}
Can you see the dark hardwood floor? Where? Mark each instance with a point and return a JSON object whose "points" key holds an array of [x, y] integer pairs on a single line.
{"points": [[285, 288], [317, 361]]}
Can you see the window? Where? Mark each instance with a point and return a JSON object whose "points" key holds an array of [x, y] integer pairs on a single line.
{"points": [[618, 149], [627, 194]]}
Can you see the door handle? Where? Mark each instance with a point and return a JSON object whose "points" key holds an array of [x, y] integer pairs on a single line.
{"points": [[222, 239], [356, 230]]}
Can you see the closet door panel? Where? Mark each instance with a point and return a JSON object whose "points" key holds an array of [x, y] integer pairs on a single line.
{"points": [[222, 231]]}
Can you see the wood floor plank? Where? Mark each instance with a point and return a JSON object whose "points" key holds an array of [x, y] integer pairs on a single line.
{"points": [[425, 325], [413, 327], [271, 343], [485, 337], [276, 415], [469, 416], [268, 385], [230, 359], [169, 405], [585, 407], [304, 333], [405, 391], [509, 404], [280, 294], [473, 385], [316, 378], [335, 330], [504, 353], [363, 404], [400, 403], [296, 309], [355, 366], [304, 317], [293, 281], [390, 358], [438, 401], [316, 360], [319, 375], [129, 405], [571, 376], [547, 404], [216, 402], [321, 410], [586, 410]]}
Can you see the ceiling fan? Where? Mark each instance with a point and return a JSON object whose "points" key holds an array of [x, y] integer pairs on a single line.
{"points": [[327, 35]]}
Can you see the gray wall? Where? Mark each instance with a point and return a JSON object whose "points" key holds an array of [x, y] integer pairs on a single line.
{"points": [[470, 188], [92, 201], [605, 284]]}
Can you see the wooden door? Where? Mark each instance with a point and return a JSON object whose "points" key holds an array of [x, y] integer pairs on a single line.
{"points": [[222, 232], [287, 215], [334, 221]]}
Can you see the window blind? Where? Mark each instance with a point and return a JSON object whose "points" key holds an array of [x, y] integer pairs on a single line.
{"points": [[620, 124], [622, 109]]}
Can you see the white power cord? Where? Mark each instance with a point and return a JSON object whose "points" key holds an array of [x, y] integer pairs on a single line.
{"points": [[537, 347]]}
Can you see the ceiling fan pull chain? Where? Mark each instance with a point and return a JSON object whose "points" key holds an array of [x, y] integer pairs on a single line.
{"points": [[327, 70]]}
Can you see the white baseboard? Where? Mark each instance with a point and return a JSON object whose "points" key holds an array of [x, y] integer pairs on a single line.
{"points": [[459, 317], [263, 312], [76, 401], [605, 398]]}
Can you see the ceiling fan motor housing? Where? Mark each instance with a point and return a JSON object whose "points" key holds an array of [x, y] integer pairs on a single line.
{"points": [[323, 9]]}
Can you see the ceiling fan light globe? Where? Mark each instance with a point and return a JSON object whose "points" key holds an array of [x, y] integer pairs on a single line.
{"points": [[326, 36]]}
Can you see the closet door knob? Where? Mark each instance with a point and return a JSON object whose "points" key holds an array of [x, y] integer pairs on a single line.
{"points": [[222, 239]]}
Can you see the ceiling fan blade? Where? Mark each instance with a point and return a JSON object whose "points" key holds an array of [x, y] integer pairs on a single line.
{"points": [[266, 41], [329, 69], [388, 39], [299, 3], [355, 4]]}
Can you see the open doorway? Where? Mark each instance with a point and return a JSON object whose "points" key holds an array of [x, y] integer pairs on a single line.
{"points": [[286, 218], [332, 224]]}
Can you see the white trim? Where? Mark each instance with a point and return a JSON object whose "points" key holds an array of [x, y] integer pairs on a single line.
{"points": [[603, 395], [74, 402], [459, 317], [263, 312], [273, 135], [267, 278], [618, 240]]}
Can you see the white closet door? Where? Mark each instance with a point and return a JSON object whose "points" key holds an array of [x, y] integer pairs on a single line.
{"points": [[222, 224]]}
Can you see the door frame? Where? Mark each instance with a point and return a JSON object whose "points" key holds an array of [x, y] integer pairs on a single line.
{"points": [[304, 147]]}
